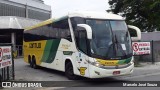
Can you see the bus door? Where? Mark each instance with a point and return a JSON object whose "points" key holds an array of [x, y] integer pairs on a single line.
{"points": [[82, 54]]}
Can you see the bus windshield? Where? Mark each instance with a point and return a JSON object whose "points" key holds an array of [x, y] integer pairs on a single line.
{"points": [[111, 39]]}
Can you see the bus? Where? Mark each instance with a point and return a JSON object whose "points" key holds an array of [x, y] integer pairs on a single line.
{"points": [[87, 44]]}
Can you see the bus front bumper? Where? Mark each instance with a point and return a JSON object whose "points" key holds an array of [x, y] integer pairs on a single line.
{"points": [[96, 72]]}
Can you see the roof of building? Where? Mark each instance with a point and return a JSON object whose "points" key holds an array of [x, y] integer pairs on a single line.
{"points": [[33, 3], [39, 1], [13, 22]]}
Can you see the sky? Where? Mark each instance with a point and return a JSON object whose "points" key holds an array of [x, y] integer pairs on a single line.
{"points": [[62, 7]]}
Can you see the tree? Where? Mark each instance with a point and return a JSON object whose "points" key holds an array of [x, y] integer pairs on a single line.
{"points": [[144, 14]]}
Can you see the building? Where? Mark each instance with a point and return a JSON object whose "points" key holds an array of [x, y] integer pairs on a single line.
{"points": [[16, 15], [149, 36], [11, 28], [34, 9], [154, 39]]}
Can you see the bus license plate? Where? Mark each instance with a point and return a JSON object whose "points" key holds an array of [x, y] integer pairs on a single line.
{"points": [[116, 72]]}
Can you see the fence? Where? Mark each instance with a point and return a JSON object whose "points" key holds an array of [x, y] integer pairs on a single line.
{"points": [[155, 53], [6, 63]]}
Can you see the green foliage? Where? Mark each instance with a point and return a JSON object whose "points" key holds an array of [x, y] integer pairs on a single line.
{"points": [[144, 14]]}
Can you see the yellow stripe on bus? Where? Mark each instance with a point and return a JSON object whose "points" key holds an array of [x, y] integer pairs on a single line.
{"points": [[40, 24], [108, 62]]}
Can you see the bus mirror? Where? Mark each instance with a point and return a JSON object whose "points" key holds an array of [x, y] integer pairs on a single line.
{"points": [[135, 33], [87, 28]]}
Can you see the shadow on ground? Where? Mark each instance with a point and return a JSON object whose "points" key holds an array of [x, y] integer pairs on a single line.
{"points": [[81, 81]]}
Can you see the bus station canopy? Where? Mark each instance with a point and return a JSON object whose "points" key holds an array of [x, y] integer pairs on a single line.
{"points": [[13, 22]]}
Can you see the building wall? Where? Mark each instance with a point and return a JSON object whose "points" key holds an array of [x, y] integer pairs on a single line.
{"points": [[154, 38], [11, 10], [149, 36], [34, 9]]}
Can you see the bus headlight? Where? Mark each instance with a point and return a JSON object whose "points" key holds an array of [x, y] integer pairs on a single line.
{"points": [[97, 64], [94, 62]]}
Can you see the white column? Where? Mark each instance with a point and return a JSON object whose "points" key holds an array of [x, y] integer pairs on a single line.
{"points": [[13, 40], [26, 9]]}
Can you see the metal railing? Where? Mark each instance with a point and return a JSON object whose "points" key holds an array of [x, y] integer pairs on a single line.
{"points": [[6, 72]]}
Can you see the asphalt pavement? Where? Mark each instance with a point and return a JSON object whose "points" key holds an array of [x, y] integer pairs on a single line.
{"points": [[23, 72]]}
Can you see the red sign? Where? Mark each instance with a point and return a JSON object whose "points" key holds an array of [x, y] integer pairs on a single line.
{"points": [[5, 56], [135, 47], [141, 48]]}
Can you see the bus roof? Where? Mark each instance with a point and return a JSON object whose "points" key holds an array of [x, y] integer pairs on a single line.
{"points": [[46, 22], [83, 14], [97, 15]]}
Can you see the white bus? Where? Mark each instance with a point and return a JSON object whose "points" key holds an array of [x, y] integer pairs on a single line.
{"points": [[88, 44]]}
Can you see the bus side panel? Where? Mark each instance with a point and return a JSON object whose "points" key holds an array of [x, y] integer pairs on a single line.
{"points": [[53, 53], [50, 52], [64, 50], [71, 53], [68, 50], [34, 48]]}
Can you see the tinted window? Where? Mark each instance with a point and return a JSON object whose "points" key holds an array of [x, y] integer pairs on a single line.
{"points": [[118, 25], [10, 10], [63, 29], [38, 15], [81, 40], [56, 30]]}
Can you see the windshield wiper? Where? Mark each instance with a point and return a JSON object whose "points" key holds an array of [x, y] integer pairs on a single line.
{"points": [[117, 43]]}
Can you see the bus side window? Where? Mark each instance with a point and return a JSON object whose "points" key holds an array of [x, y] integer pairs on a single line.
{"points": [[64, 31], [52, 32]]}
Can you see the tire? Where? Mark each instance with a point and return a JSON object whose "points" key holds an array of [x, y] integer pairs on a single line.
{"points": [[69, 72], [30, 62], [34, 65]]}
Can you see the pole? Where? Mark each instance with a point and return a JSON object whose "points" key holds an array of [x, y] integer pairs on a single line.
{"points": [[152, 53], [13, 72]]}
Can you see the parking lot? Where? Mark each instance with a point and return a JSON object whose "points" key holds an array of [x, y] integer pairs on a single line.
{"points": [[23, 72]]}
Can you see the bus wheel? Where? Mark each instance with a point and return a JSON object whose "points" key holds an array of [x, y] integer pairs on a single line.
{"points": [[69, 72], [30, 62], [34, 63]]}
